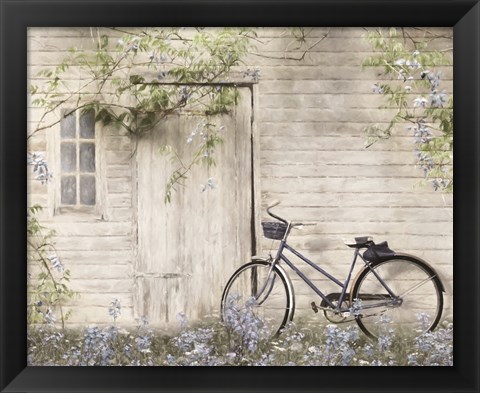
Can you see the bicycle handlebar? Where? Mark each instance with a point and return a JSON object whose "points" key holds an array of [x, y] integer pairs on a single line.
{"points": [[276, 203], [272, 205]]}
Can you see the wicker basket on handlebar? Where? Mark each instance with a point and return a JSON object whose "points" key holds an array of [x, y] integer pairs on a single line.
{"points": [[274, 229]]}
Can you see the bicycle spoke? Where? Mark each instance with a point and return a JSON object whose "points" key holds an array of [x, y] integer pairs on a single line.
{"points": [[257, 288], [419, 294], [416, 286]]}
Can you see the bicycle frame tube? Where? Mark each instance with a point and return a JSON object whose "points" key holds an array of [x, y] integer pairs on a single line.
{"points": [[281, 256], [260, 293], [384, 284]]}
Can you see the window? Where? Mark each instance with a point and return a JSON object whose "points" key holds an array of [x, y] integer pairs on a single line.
{"points": [[77, 160]]}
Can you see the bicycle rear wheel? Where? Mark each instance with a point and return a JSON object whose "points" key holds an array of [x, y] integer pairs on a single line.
{"points": [[413, 281], [252, 290]]}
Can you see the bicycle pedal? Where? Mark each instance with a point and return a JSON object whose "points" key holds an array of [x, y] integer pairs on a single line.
{"points": [[314, 307]]}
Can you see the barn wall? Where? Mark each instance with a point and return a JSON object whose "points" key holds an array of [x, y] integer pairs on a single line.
{"points": [[310, 117], [309, 122], [98, 249]]}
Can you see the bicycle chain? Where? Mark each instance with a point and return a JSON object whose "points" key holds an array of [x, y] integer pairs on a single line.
{"points": [[348, 319]]}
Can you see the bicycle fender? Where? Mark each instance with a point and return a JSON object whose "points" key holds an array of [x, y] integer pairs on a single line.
{"points": [[427, 267], [282, 271], [257, 258], [422, 262]]}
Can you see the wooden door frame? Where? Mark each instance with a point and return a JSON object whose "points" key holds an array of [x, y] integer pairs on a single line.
{"points": [[235, 81]]}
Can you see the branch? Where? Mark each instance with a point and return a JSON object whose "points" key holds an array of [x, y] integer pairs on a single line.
{"points": [[285, 57], [50, 274]]}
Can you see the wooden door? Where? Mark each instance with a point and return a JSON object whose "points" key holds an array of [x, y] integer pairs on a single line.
{"points": [[187, 249]]}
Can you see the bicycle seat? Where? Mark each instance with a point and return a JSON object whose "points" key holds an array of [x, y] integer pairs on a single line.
{"points": [[360, 242]]}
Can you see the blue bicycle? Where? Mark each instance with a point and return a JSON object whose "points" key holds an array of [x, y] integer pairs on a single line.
{"points": [[399, 286]]}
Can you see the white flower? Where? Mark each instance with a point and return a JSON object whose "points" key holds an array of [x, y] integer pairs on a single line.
{"points": [[420, 102], [57, 265], [413, 64], [211, 183], [377, 89], [408, 89], [114, 309], [49, 317]]}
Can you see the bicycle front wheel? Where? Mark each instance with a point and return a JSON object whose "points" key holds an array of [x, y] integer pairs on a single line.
{"points": [[410, 299], [264, 293]]}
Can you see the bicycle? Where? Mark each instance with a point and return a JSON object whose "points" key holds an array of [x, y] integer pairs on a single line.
{"points": [[397, 285]]}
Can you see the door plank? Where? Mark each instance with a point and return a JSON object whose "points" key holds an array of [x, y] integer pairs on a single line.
{"points": [[187, 249]]}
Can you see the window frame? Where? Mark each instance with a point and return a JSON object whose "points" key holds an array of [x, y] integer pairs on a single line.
{"points": [[94, 211]]}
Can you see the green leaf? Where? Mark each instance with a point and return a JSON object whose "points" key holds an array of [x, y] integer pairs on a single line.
{"points": [[136, 79]]}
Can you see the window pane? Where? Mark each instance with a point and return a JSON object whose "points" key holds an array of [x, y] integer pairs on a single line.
{"points": [[69, 190], [87, 190], [87, 157], [68, 154], [67, 125], [87, 124]]}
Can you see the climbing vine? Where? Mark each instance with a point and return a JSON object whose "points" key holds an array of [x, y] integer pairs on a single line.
{"points": [[414, 89], [142, 77], [48, 281]]}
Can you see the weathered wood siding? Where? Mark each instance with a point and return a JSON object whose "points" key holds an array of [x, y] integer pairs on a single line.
{"points": [[309, 117], [97, 248]]}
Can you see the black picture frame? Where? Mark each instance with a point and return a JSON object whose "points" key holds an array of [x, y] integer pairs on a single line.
{"points": [[17, 15]]}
